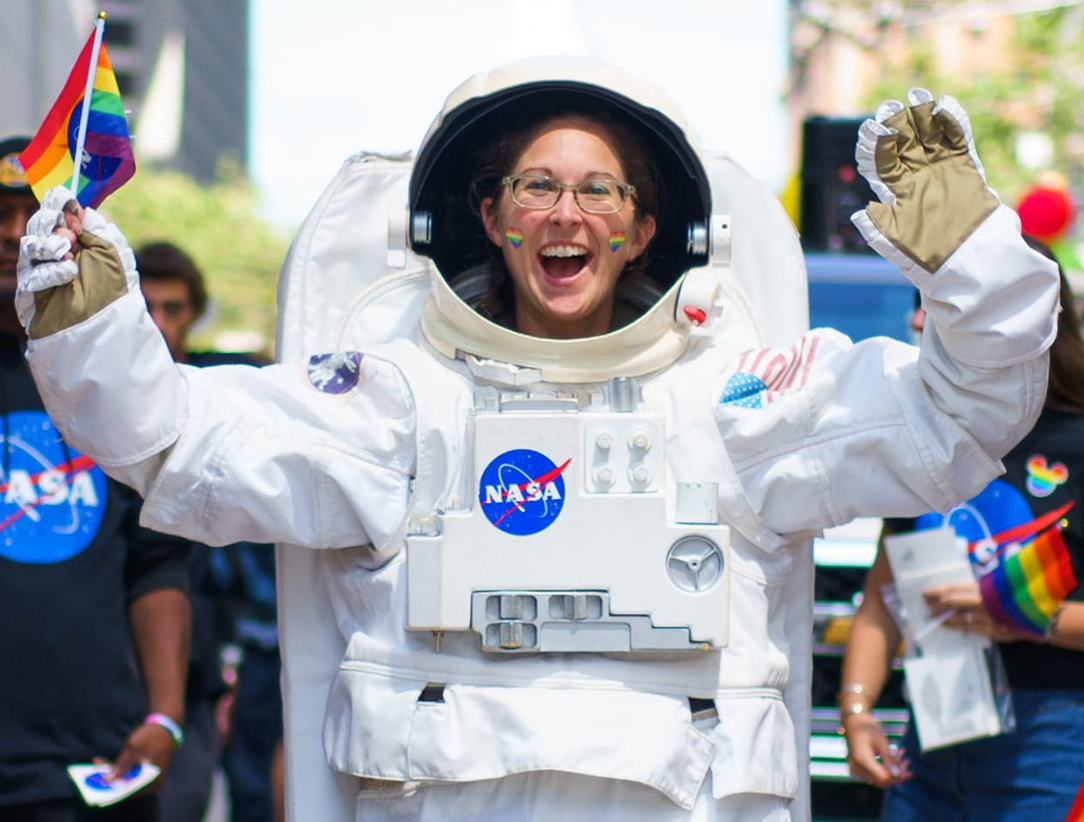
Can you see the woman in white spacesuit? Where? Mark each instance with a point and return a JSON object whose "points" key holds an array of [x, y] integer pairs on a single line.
{"points": [[602, 478]]}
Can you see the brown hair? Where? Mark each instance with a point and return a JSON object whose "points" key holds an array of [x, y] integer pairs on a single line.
{"points": [[498, 158], [165, 261], [1065, 388]]}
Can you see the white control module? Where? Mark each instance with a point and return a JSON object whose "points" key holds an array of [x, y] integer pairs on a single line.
{"points": [[571, 543]]}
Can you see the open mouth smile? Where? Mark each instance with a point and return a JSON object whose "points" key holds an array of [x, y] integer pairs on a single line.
{"points": [[562, 262]]}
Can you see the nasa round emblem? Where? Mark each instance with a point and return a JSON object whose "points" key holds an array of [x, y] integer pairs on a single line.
{"points": [[522, 492]]}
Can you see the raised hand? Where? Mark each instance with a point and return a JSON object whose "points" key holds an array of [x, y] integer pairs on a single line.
{"points": [[50, 256], [921, 163]]}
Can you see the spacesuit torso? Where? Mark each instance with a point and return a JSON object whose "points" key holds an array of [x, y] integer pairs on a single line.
{"points": [[587, 523]]}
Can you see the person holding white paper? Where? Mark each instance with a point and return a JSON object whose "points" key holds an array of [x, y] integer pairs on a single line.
{"points": [[1033, 772]]}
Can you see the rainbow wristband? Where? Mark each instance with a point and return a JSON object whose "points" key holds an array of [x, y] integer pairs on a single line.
{"points": [[163, 721]]}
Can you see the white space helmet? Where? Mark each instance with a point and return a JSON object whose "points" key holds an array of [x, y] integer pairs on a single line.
{"points": [[445, 228]]}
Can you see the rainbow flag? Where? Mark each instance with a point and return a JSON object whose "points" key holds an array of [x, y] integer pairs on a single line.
{"points": [[1076, 813], [1026, 587], [107, 161]]}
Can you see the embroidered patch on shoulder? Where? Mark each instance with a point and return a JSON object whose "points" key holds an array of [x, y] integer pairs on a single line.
{"points": [[760, 376], [1044, 479], [743, 389], [335, 373]]}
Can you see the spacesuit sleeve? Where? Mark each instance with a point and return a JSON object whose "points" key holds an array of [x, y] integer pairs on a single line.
{"points": [[230, 453], [882, 428]]}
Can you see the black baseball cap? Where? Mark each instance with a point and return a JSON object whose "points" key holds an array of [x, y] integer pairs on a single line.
{"points": [[12, 175]]}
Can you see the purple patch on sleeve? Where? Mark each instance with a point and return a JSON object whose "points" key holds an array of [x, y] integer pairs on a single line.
{"points": [[335, 373]]}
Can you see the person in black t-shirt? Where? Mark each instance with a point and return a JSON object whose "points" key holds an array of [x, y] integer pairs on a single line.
{"points": [[1034, 772], [94, 609]]}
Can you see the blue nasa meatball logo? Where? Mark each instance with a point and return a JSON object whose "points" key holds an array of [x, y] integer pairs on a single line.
{"points": [[996, 508], [53, 497], [522, 492]]}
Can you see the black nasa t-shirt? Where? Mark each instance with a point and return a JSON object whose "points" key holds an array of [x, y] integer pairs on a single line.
{"points": [[1043, 472], [72, 557], [1048, 469]]}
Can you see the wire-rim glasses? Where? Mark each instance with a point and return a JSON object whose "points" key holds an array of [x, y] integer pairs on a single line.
{"points": [[596, 196]]}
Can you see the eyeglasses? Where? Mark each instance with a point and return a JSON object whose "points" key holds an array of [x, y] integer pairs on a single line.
{"points": [[593, 196]]}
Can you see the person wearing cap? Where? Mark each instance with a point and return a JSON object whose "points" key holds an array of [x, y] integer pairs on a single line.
{"points": [[591, 415], [94, 608]]}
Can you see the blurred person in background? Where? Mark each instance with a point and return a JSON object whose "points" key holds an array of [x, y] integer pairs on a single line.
{"points": [[1035, 771], [94, 609], [234, 674]]}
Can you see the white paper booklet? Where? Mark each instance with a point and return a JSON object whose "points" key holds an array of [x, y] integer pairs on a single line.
{"points": [[948, 673]]}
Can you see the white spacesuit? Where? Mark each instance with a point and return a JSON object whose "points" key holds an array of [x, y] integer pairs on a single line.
{"points": [[574, 575]]}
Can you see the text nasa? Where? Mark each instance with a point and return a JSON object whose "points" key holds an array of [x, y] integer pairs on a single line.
{"points": [[52, 487], [527, 492]]}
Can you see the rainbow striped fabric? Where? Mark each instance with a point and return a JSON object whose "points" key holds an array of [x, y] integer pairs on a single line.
{"points": [[107, 161], [1076, 813], [1024, 589]]}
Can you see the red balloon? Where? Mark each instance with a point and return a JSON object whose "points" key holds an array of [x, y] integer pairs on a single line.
{"points": [[1045, 213]]}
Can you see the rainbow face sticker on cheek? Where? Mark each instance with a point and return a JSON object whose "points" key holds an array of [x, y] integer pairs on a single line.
{"points": [[514, 236], [617, 239]]}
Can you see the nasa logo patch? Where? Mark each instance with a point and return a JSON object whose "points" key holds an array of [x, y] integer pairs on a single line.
{"points": [[335, 373], [522, 492], [53, 498]]}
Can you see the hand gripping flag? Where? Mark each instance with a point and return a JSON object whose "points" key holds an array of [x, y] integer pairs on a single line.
{"points": [[97, 134], [1025, 588]]}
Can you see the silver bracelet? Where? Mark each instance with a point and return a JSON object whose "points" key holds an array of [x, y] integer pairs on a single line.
{"points": [[849, 689], [1052, 626]]}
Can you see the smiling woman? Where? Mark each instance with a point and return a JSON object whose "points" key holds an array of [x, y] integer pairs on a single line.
{"points": [[556, 259], [560, 251]]}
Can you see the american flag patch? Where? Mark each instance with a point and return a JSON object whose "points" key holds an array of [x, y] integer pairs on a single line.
{"points": [[760, 376]]}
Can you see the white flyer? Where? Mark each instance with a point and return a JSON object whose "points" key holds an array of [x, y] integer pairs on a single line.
{"points": [[98, 792], [948, 672]]}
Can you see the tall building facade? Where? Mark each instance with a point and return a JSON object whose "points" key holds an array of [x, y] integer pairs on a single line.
{"points": [[182, 67]]}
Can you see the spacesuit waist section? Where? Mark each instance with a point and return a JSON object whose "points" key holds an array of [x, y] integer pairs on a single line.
{"points": [[575, 541]]}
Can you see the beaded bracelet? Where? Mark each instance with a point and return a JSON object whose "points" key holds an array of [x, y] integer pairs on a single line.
{"points": [[163, 721]]}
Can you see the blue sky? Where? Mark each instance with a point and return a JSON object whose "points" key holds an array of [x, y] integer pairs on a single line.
{"points": [[331, 77]]}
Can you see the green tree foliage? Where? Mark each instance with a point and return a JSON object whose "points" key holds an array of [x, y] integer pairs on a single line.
{"points": [[218, 225], [1039, 87]]}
